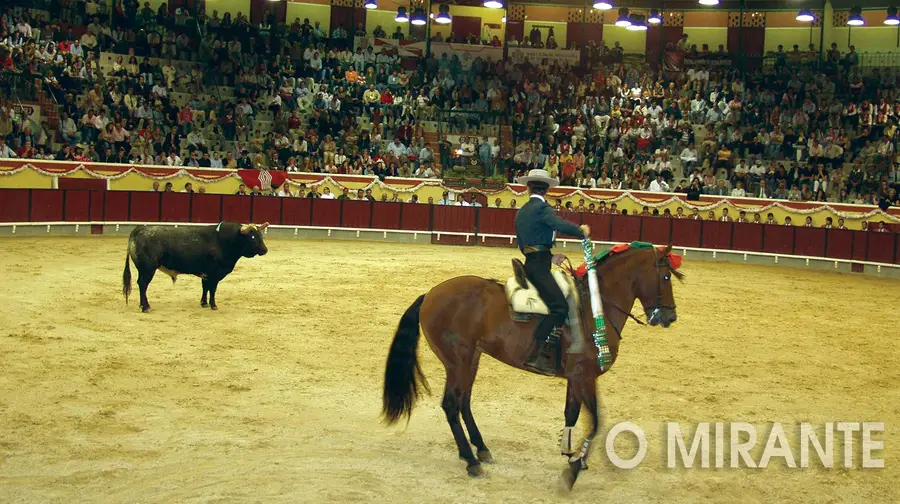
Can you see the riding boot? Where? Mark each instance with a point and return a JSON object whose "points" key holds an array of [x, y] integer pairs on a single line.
{"points": [[541, 360]]}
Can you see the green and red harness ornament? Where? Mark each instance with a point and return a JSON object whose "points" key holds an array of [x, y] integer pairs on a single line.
{"points": [[604, 356]]}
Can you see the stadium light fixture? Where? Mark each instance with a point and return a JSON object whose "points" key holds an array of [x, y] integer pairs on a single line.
{"points": [[624, 21], [418, 18], [443, 17], [892, 19], [654, 17], [603, 4], [401, 17], [856, 18], [637, 23], [805, 16]]}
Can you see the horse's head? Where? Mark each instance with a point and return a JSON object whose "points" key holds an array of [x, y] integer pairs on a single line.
{"points": [[654, 286]]}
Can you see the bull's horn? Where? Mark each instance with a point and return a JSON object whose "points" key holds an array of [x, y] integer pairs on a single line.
{"points": [[246, 228], [262, 226]]}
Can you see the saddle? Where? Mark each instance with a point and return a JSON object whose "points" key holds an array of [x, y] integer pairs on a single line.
{"points": [[524, 300], [525, 304]]}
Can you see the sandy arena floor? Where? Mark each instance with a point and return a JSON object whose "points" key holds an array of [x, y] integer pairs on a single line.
{"points": [[276, 397]]}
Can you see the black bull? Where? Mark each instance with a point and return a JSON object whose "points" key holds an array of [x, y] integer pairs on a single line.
{"points": [[209, 252]]}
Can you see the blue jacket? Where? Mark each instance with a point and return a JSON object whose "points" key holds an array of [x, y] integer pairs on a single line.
{"points": [[537, 224]]}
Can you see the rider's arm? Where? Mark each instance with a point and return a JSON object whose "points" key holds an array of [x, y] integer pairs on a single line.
{"points": [[558, 224]]}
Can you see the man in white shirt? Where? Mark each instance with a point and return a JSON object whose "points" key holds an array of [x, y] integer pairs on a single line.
{"points": [[738, 191], [327, 194], [173, 159], [659, 185], [688, 159]]}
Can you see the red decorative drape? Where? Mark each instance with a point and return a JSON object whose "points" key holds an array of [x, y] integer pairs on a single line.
{"points": [[747, 42], [580, 33], [463, 26], [515, 30], [661, 38]]}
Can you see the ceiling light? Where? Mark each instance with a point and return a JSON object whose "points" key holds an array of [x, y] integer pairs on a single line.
{"points": [[805, 16], [418, 18], [856, 18], [892, 18], [494, 4], [624, 21], [401, 17], [443, 16], [654, 17], [371, 4], [603, 4], [637, 23]]}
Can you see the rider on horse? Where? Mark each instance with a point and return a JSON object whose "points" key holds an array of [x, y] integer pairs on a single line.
{"points": [[536, 228]]}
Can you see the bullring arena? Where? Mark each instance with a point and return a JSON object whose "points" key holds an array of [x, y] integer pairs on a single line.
{"points": [[276, 397]]}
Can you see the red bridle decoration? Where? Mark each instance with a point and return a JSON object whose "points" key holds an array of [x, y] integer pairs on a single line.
{"points": [[674, 259]]}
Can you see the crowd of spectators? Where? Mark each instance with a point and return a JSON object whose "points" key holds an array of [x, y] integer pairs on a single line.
{"points": [[214, 90]]}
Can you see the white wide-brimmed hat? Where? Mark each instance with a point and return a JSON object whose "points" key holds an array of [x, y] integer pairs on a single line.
{"points": [[540, 176]]}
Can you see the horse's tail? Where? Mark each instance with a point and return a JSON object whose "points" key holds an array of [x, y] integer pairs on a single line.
{"points": [[403, 375], [126, 277]]}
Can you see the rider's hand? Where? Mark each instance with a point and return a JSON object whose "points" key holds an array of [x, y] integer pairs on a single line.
{"points": [[586, 230]]}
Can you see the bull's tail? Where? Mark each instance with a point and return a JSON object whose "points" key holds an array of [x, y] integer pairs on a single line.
{"points": [[126, 278], [403, 375]]}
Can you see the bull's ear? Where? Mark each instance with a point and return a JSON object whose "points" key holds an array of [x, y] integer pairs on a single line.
{"points": [[246, 228]]}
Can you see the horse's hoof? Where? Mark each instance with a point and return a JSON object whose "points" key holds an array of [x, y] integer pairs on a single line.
{"points": [[570, 475], [145, 309], [214, 308], [475, 470], [484, 456], [204, 304]]}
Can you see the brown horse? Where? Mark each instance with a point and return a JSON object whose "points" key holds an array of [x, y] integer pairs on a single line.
{"points": [[467, 316]]}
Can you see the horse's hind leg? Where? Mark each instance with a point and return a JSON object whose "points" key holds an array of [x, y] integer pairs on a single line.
{"points": [[484, 455], [451, 405], [573, 409]]}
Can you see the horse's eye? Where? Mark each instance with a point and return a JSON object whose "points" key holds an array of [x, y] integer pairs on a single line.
{"points": [[666, 277]]}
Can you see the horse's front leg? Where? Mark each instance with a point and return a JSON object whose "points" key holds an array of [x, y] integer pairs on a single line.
{"points": [[578, 462]]}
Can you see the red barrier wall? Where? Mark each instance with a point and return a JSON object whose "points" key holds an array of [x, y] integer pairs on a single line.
{"points": [[778, 239], [455, 219], [296, 212], [809, 241], [748, 237], [175, 207], [625, 228], [326, 213], [686, 232], [839, 244], [236, 208], [77, 206], [265, 210], [356, 214], [15, 205], [656, 230], [80, 205], [46, 205], [386, 215], [206, 208]]}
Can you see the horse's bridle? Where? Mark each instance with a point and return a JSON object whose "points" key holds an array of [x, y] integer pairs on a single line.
{"points": [[654, 315]]}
